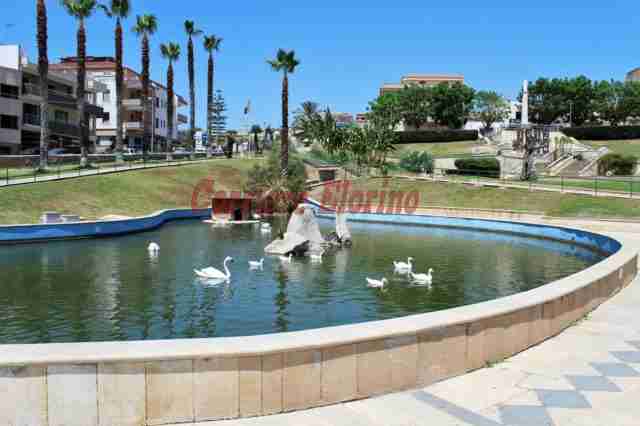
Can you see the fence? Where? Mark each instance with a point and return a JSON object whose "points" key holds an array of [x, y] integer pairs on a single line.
{"points": [[618, 186]]}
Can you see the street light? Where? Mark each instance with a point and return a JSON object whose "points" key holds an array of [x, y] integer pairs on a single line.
{"points": [[570, 113]]}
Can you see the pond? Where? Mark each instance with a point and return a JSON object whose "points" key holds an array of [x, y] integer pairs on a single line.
{"points": [[112, 289]]}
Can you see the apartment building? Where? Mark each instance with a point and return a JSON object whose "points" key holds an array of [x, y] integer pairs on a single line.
{"points": [[103, 70], [422, 80], [20, 106]]}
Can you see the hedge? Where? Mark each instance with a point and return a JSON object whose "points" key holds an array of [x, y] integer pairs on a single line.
{"points": [[435, 136], [477, 166], [599, 133], [617, 164]]}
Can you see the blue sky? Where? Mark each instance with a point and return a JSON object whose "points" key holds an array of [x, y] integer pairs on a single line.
{"points": [[349, 48]]}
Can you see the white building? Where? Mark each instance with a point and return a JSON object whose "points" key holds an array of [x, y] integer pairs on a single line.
{"points": [[103, 70], [20, 106]]}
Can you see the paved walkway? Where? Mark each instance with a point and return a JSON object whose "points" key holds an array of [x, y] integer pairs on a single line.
{"points": [[587, 376]]}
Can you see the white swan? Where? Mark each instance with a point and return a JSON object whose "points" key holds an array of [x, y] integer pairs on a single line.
{"points": [[265, 230], [316, 257], [256, 264], [153, 248], [402, 266], [286, 259], [423, 278], [215, 274], [376, 283], [265, 225]]}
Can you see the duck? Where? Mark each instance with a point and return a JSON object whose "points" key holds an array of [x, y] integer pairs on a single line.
{"points": [[286, 259], [215, 274], [153, 248], [402, 266], [423, 278], [253, 264], [376, 283]]}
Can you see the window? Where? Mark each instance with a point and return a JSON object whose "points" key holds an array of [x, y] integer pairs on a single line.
{"points": [[61, 116], [157, 123], [8, 91], [9, 122], [157, 102], [106, 97]]}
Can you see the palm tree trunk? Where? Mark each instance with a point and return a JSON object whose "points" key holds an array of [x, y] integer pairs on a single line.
{"points": [[119, 92], [192, 96], [43, 70], [209, 102], [146, 101], [170, 108], [284, 132], [80, 93]]}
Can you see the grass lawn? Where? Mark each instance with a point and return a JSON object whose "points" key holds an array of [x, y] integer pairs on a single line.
{"points": [[549, 203], [439, 149], [131, 193], [626, 147]]}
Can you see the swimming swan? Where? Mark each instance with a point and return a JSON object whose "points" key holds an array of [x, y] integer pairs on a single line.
{"points": [[153, 248], [402, 266], [213, 273], [256, 264], [376, 283], [423, 278]]}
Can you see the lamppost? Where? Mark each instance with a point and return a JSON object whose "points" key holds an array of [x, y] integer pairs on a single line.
{"points": [[570, 113]]}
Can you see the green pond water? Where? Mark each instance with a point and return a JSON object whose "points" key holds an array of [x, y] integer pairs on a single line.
{"points": [[112, 289]]}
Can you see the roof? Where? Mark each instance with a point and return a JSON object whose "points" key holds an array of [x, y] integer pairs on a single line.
{"points": [[101, 63]]}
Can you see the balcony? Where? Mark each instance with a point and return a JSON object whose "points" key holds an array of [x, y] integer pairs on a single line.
{"points": [[182, 119], [55, 97], [66, 129], [133, 125], [132, 104]]}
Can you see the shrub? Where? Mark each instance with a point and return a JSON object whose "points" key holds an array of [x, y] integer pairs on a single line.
{"points": [[417, 162], [617, 164], [436, 135], [599, 133], [477, 166]]}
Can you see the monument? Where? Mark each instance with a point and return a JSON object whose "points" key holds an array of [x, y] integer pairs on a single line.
{"points": [[524, 120]]}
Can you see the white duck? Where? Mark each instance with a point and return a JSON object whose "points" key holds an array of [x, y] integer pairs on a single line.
{"points": [[253, 264], [423, 278], [402, 266], [215, 274], [376, 283], [153, 248], [286, 259]]}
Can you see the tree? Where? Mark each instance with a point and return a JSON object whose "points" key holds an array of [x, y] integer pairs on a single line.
{"points": [[305, 121], [43, 71], [614, 101], [490, 108], [451, 104], [386, 111], [170, 52], [146, 25], [547, 101], [190, 29], [578, 100], [286, 63], [81, 10], [211, 44], [120, 10], [255, 131], [414, 104]]}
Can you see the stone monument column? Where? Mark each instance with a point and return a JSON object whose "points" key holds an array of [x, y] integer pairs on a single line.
{"points": [[525, 103]]}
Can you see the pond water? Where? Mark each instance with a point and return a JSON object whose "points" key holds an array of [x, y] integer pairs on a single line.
{"points": [[111, 289]]}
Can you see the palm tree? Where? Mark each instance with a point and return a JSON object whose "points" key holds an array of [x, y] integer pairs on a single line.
{"points": [[43, 70], [81, 10], [120, 10], [170, 52], [287, 63], [146, 25], [190, 29], [256, 130], [211, 44]]}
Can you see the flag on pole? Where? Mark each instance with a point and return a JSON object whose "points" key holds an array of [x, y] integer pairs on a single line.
{"points": [[247, 109]]}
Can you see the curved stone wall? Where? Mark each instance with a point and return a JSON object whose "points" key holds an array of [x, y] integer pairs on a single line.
{"points": [[163, 382]]}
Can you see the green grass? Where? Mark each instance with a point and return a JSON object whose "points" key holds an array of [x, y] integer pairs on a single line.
{"points": [[549, 203], [625, 147], [130, 193], [449, 149]]}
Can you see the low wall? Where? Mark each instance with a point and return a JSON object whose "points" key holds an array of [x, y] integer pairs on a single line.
{"points": [[193, 380], [32, 233]]}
